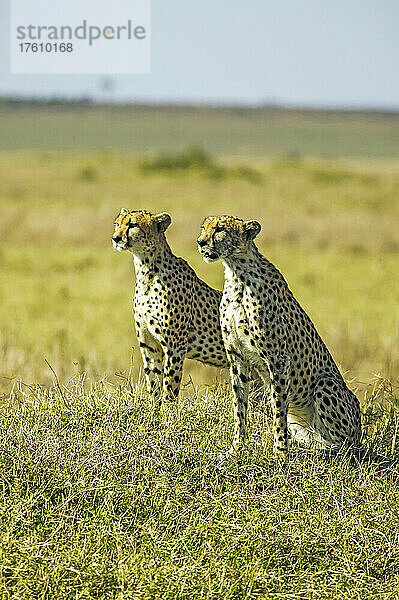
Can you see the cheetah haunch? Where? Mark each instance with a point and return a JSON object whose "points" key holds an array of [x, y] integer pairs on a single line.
{"points": [[176, 314], [265, 328]]}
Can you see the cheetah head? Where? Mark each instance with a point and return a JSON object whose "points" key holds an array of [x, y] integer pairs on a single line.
{"points": [[225, 236], [139, 231]]}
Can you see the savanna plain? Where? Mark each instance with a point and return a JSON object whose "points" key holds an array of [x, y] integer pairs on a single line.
{"points": [[102, 494]]}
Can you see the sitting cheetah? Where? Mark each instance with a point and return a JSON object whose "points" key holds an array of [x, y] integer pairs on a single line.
{"points": [[264, 326], [176, 314]]}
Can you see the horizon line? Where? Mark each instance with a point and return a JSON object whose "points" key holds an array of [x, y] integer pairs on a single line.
{"points": [[192, 104]]}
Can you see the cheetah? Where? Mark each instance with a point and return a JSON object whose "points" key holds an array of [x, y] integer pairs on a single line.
{"points": [[264, 326], [176, 314]]}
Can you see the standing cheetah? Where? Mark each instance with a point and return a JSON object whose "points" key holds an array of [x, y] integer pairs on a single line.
{"points": [[264, 326], [176, 314]]}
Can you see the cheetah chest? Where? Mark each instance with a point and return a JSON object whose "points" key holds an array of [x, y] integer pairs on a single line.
{"points": [[238, 327], [149, 304]]}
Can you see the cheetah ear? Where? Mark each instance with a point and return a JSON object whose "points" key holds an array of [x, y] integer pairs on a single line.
{"points": [[123, 211], [163, 221], [251, 229]]}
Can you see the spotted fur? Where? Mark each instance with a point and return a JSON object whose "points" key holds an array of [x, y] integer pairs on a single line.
{"points": [[176, 314], [264, 327]]}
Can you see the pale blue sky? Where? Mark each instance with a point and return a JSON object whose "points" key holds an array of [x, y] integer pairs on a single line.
{"points": [[298, 52]]}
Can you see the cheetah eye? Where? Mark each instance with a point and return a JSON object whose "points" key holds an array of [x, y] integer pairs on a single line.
{"points": [[131, 225], [218, 229]]}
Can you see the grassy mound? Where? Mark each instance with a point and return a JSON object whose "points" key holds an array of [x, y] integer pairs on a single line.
{"points": [[104, 496]]}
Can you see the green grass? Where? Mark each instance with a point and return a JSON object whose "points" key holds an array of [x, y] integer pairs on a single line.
{"points": [[104, 497], [246, 132]]}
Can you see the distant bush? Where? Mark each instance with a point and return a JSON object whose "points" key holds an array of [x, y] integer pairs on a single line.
{"points": [[190, 158], [330, 176], [195, 158], [247, 173], [87, 174]]}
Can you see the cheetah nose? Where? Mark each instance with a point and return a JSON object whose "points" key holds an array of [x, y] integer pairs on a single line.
{"points": [[201, 243], [116, 238]]}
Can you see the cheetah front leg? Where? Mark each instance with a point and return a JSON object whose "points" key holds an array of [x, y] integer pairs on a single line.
{"points": [[173, 370], [239, 383], [279, 367], [152, 356]]}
